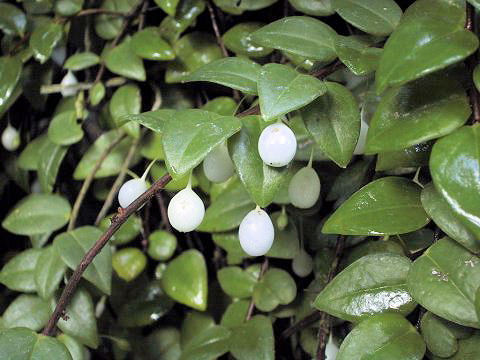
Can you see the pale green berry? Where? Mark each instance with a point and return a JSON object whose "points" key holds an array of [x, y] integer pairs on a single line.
{"points": [[217, 165], [304, 188], [302, 264]]}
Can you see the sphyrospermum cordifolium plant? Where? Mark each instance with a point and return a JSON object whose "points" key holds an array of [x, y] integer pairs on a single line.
{"points": [[310, 187]]}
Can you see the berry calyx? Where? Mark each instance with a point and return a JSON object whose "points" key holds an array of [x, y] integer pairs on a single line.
{"points": [[217, 165], [10, 138], [277, 145], [186, 210], [256, 233], [302, 264], [304, 188], [67, 82]]}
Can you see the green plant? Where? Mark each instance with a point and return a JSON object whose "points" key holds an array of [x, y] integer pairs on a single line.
{"points": [[314, 169]]}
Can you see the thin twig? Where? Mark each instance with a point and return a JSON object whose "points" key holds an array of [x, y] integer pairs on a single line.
{"points": [[163, 212], [327, 70], [89, 179], [472, 63], [87, 12], [302, 324], [251, 307], [117, 221], [56, 88]]}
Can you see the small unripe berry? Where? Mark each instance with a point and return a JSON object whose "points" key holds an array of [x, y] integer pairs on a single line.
{"points": [[186, 210], [131, 190], [256, 233], [67, 81], [304, 188], [277, 145], [302, 264], [10, 138], [217, 165], [282, 221]]}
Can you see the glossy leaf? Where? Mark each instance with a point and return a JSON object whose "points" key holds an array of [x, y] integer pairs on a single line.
{"points": [[275, 287], [444, 281], [29, 157], [236, 8], [128, 263], [49, 164], [300, 35], [18, 273], [12, 20], [187, 12], [383, 337], [191, 135], [169, 6], [235, 313], [27, 311], [77, 351], [185, 279], [108, 26], [411, 157], [153, 120], [235, 72], [10, 71], [81, 61], [222, 105], [261, 181], [236, 282], [355, 52], [207, 345], [313, 7], [426, 28], [64, 129], [414, 113], [371, 247], [440, 340], [389, 205], [286, 242], [72, 246], [376, 17], [238, 39], [148, 44], [44, 39], [468, 349], [253, 340], [125, 101], [161, 245], [123, 61], [374, 284], [68, 7], [38, 214], [334, 122], [281, 90], [48, 272], [457, 154]]}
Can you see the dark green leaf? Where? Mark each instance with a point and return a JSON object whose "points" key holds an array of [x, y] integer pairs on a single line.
{"points": [[12, 20], [355, 52], [68, 7], [235, 7], [29, 158], [148, 44], [10, 71], [108, 26], [414, 156], [253, 340], [18, 273], [172, 27], [313, 7], [222, 105], [28, 311], [153, 120], [236, 282], [127, 232], [44, 38], [49, 164], [64, 129], [230, 243], [238, 39], [48, 272], [123, 61], [286, 243], [81, 61], [440, 340], [126, 101], [468, 349], [371, 247], [169, 6], [276, 287], [77, 350]]}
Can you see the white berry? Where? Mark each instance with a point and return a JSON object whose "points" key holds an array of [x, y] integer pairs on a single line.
{"points": [[10, 138], [186, 210], [277, 145], [256, 233], [68, 81], [304, 188], [362, 139], [217, 165], [331, 349], [302, 264], [131, 190]]}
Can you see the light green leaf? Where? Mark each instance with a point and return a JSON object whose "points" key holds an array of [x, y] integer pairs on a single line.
{"points": [[253, 340], [444, 281], [313, 7], [148, 44], [126, 101], [18, 273], [68, 7], [169, 6], [236, 282], [64, 129], [222, 105], [235, 313], [77, 350], [187, 12], [12, 20], [230, 243], [28, 311], [127, 232], [49, 164], [281, 90], [123, 61], [96, 93], [48, 272], [286, 243], [235, 72], [300, 35], [29, 157], [440, 339], [81, 61], [153, 120], [38, 214], [72, 246], [238, 39], [334, 122], [276, 287], [128, 263], [44, 38], [10, 71], [383, 337], [207, 345], [386, 206]]}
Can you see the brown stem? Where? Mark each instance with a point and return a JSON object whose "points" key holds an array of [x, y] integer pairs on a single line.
{"points": [[472, 63], [117, 221], [327, 70], [302, 324], [163, 212], [87, 12], [251, 307], [88, 181]]}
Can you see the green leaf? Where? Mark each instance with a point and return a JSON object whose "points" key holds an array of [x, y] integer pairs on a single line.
{"points": [[207, 345], [430, 37], [236, 282], [350, 180], [276, 287], [238, 39], [10, 71], [77, 350], [422, 110], [49, 164], [48, 272], [28, 311], [231, 244], [187, 12], [313, 7], [19, 272], [286, 243], [386, 206], [300, 35], [440, 340], [411, 157], [12, 20], [123, 61], [44, 38], [161, 245], [129, 230], [442, 214], [29, 157], [376, 17], [191, 135], [235, 72], [468, 349], [72, 246], [148, 44], [185, 279], [128, 263], [125, 101], [355, 52], [444, 280], [193, 324], [235, 313], [64, 129], [261, 181], [227, 210], [222, 105], [236, 8], [81, 323], [253, 340], [371, 247], [108, 26], [374, 284], [38, 214], [451, 156], [164, 343], [383, 337], [81, 61], [96, 93], [169, 6], [334, 122], [153, 120], [68, 7], [281, 90], [24, 344]]}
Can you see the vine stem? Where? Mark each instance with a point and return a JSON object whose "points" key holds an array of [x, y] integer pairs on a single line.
{"points": [[117, 221], [89, 179], [251, 307], [472, 62]]}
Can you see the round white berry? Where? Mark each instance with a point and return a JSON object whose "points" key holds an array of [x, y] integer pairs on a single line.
{"points": [[362, 139], [277, 145], [302, 264], [131, 190], [59, 54], [68, 81], [256, 233], [331, 349], [10, 138], [186, 210], [217, 165], [304, 188]]}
